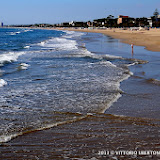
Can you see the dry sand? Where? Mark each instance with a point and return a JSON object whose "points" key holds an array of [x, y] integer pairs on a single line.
{"points": [[148, 38]]}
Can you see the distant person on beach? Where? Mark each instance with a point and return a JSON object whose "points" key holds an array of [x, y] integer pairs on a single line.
{"points": [[132, 48]]}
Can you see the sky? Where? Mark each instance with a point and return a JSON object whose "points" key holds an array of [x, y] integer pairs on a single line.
{"points": [[58, 11]]}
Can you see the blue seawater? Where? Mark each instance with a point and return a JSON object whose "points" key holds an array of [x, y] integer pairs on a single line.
{"points": [[17, 39], [48, 77]]}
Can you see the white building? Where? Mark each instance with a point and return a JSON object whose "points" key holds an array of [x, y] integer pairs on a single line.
{"points": [[150, 21], [72, 23]]}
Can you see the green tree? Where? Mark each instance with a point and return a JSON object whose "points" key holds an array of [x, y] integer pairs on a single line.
{"points": [[156, 13], [110, 17]]}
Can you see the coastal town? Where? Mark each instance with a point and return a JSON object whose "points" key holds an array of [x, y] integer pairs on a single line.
{"points": [[110, 21], [121, 21]]}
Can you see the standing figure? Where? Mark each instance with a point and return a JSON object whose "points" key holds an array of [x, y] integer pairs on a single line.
{"points": [[132, 49]]}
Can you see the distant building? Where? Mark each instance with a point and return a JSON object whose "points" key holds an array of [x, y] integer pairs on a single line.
{"points": [[89, 24], [122, 19], [1, 24], [155, 21], [149, 20], [125, 21], [78, 24], [99, 22], [72, 23], [142, 22], [105, 22], [110, 21], [65, 24]]}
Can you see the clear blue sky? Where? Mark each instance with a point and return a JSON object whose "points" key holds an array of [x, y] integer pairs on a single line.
{"points": [[57, 11]]}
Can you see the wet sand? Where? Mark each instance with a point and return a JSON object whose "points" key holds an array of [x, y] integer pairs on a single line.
{"points": [[84, 139], [132, 123], [148, 38]]}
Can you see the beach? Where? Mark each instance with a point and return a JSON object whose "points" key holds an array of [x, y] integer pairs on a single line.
{"points": [[131, 123], [148, 38]]}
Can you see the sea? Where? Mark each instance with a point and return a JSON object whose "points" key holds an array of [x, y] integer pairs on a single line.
{"points": [[48, 71], [50, 78]]}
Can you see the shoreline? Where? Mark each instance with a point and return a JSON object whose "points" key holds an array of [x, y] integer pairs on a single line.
{"points": [[148, 39], [140, 87], [86, 137]]}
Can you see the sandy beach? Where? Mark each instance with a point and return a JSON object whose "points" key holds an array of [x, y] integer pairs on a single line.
{"points": [[148, 38]]}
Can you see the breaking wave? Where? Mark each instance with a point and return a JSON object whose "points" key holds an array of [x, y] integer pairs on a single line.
{"points": [[10, 57], [2, 82]]}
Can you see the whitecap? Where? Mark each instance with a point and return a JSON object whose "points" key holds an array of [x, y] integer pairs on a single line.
{"points": [[9, 57], [59, 43], [112, 57], [27, 47], [12, 33], [18, 32], [23, 66], [73, 34], [2, 82], [28, 30]]}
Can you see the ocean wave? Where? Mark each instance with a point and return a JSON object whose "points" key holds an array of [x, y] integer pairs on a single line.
{"points": [[59, 44], [28, 30], [14, 33], [27, 47], [6, 138], [2, 82], [115, 99], [91, 85], [119, 61], [9, 57], [23, 66], [112, 57], [62, 43], [73, 34], [108, 63], [18, 32]]}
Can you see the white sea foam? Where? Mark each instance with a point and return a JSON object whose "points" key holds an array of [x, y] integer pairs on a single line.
{"points": [[28, 30], [9, 57], [2, 82], [85, 53], [14, 33], [23, 66], [112, 57], [59, 44], [111, 102], [18, 32], [27, 47], [108, 63], [6, 138], [73, 34], [62, 43]]}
